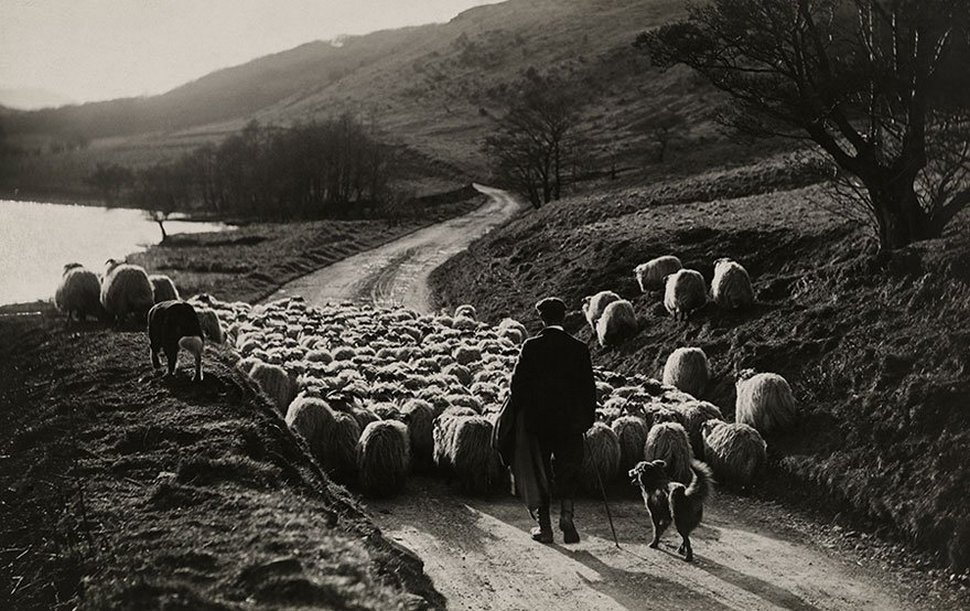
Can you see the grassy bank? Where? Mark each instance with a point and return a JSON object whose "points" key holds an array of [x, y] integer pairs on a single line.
{"points": [[876, 349], [124, 490], [252, 261]]}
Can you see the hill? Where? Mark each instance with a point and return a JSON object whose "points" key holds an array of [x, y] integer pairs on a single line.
{"points": [[433, 88], [876, 348]]}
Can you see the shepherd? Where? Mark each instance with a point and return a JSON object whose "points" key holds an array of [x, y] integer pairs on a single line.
{"points": [[553, 394]]}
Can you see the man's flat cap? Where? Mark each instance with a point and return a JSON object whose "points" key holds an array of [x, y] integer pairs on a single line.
{"points": [[551, 306]]}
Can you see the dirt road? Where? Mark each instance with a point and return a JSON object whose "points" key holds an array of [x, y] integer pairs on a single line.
{"points": [[478, 551], [397, 273]]}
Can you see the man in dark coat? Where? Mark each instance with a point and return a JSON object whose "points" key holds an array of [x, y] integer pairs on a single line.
{"points": [[553, 386]]}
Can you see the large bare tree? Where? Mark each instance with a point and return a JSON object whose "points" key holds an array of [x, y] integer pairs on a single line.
{"points": [[882, 86]]}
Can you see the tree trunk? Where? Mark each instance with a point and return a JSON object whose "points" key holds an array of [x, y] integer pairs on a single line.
{"points": [[161, 225], [900, 218]]}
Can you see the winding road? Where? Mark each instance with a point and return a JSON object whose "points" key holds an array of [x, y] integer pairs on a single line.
{"points": [[397, 272], [748, 554]]}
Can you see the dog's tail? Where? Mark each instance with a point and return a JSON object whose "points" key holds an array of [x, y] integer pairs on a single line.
{"points": [[192, 344], [701, 482]]}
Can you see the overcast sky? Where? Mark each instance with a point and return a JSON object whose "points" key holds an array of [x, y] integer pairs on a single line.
{"points": [[101, 49]]}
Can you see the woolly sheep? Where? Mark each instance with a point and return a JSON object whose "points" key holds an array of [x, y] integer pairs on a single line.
{"points": [[693, 416], [275, 384], [163, 289], [650, 275], [420, 421], [211, 326], [668, 441], [617, 323], [341, 454], [126, 290], [594, 306], [312, 419], [443, 434], [688, 370], [513, 330], [731, 286], [475, 464], [465, 355], [764, 401], [467, 311], [461, 372], [631, 434], [383, 458], [684, 292], [734, 451], [601, 457], [79, 292]]}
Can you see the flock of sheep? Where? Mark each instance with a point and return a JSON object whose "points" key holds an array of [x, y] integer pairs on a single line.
{"points": [[379, 392]]}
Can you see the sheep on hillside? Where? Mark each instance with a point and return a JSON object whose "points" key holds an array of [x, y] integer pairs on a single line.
{"points": [[475, 464], [163, 289], [693, 416], [211, 326], [314, 421], [420, 421], [650, 275], [668, 442], [684, 292], [383, 458], [341, 455], [79, 292], [688, 370], [734, 451], [126, 290], [443, 434], [593, 306], [731, 287], [617, 323], [466, 310], [513, 330], [764, 401]]}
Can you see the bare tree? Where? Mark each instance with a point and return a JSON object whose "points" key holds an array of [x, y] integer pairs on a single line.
{"points": [[536, 140], [879, 85]]}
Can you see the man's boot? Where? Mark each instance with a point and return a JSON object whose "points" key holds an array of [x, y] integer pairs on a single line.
{"points": [[543, 532], [569, 534]]}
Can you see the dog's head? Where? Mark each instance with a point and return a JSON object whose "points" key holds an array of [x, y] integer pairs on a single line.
{"points": [[649, 475]]}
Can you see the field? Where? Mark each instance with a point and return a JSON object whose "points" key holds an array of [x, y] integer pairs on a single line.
{"points": [[124, 491], [875, 347]]}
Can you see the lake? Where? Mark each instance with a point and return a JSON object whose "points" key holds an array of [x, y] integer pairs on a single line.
{"points": [[37, 239]]}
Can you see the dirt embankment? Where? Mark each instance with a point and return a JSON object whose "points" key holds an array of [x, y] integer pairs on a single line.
{"points": [[876, 348], [125, 490]]}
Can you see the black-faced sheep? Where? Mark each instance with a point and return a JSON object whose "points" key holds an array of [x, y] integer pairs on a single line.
{"points": [[617, 324], [383, 458], [79, 292], [731, 286], [764, 401], [173, 325], [466, 310], [594, 305], [631, 434], [126, 290], [275, 384], [601, 457], [684, 292], [687, 369], [650, 275], [668, 442], [163, 289], [734, 451]]}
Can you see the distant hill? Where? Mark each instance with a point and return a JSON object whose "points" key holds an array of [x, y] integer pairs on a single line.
{"points": [[434, 88], [32, 99]]}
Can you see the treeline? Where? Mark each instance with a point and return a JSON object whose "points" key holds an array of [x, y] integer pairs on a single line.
{"points": [[332, 169]]}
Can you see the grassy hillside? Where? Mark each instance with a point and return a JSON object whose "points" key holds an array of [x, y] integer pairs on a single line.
{"points": [[876, 349], [434, 88], [126, 491]]}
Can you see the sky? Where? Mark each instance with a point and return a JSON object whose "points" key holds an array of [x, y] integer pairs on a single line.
{"points": [[89, 50]]}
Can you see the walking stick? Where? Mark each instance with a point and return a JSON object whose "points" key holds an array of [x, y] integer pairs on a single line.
{"points": [[606, 504]]}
